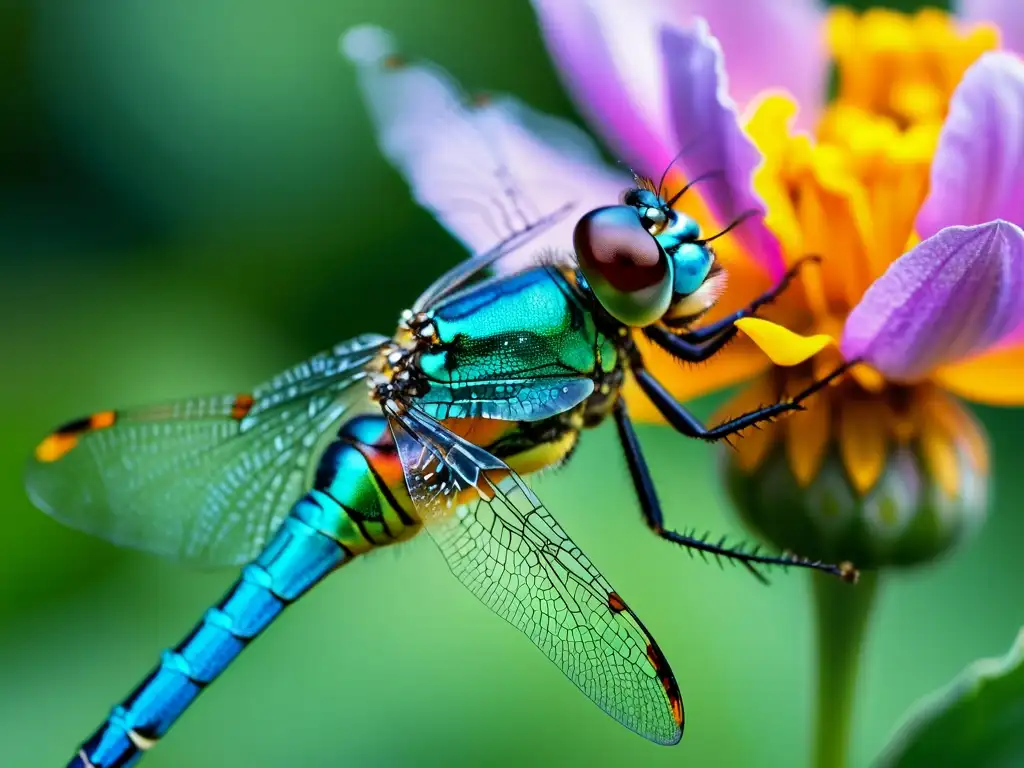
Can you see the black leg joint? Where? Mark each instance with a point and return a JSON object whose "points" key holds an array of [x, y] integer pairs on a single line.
{"points": [[749, 558], [686, 423], [683, 348]]}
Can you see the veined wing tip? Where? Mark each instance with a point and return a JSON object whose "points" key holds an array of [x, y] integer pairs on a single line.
{"points": [[671, 736], [676, 737], [36, 499]]}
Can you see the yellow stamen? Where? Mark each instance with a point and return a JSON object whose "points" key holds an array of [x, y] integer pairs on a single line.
{"points": [[900, 66], [769, 127], [887, 179], [939, 453], [949, 416], [852, 195], [807, 437], [862, 440]]}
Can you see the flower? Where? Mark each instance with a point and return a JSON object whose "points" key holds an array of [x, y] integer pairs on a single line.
{"points": [[906, 185], [922, 286]]}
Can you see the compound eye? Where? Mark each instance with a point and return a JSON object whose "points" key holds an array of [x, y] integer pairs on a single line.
{"points": [[627, 269]]}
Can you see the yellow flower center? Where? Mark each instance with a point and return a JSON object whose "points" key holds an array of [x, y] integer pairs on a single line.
{"points": [[899, 66], [864, 428], [849, 194]]}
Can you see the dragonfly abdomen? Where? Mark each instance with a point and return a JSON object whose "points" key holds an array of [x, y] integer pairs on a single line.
{"points": [[362, 473], [350, 510], [299, 555]]}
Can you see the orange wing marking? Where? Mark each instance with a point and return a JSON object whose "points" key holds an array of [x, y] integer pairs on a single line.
{"points": [[615, 603], [57, 445], [241, 407], [668, 682]]}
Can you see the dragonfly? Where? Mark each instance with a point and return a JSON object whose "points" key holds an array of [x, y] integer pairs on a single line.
{"points": [[488, 377], [367, 444]]}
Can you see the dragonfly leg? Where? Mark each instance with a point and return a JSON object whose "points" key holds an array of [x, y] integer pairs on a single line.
{"points": [[750, 558], [711, 332], [686, 423], [681, 348]]}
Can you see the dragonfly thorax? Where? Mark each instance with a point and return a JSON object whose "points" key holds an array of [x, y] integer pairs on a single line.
{"points": [[396, 374]]}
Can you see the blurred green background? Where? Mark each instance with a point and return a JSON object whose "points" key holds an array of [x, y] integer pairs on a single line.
{"points": [[190, 200]]}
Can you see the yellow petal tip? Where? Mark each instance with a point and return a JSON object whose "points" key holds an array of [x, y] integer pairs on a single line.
{"points": [[868, 378], [781, 345]]}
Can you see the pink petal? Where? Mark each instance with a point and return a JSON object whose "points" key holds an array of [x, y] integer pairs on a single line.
{"points": [[978, 168], [486, 169], [712, 141], [954, 295], [768, 45], [651, 81], [1005, 14], [607, 55]]}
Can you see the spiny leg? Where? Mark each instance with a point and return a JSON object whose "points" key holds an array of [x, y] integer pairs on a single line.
{"points": [[727, 324], [688, 351], [686, 423], [651, 509]]}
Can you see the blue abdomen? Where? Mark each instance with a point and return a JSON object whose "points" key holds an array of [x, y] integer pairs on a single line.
{"points": [[349, 511], [297, 557]]}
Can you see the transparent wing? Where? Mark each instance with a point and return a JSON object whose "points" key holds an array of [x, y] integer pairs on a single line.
{"points": [[488, 167], [204, 480], [502, 543]]}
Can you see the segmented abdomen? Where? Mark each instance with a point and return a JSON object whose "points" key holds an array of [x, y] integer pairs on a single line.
{"points": [[350, 510]]}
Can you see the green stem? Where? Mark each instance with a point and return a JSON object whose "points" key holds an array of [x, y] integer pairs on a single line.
{"points": [[842, 613]]}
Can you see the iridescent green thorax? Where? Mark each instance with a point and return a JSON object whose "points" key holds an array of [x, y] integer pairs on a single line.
{"points": [[519, 348]]}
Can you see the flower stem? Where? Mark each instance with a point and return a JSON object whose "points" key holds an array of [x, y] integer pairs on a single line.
{"points": [[842, 613]]}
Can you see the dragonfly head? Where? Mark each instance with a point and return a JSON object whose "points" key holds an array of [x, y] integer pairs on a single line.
{"points": [[646, 262]]}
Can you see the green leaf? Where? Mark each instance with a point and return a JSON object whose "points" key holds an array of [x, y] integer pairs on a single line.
{"points": [[978, 720]]}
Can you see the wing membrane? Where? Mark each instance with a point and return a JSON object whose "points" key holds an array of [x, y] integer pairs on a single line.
{"points": [[204, 480], [515, 557]]}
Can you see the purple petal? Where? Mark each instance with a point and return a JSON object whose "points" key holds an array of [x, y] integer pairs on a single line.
{"points": [[608, 53], [768, 45], [979, 163], [607, 56], [487, 169], [711, 140], [1005, 14], [653, 87], [954, 295]]}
